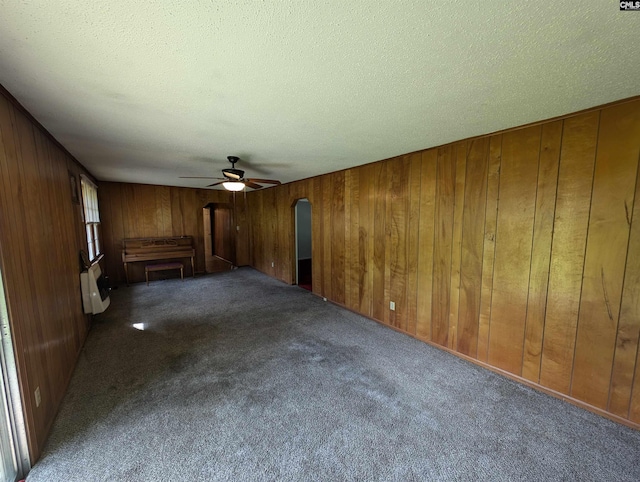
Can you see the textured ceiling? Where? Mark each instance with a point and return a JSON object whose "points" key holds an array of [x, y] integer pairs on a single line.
{"points": [[148, 91]]}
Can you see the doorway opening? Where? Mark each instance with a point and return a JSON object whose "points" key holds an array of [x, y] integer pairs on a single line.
{"points": [[219, 237], [303, 244], [14, 458]]}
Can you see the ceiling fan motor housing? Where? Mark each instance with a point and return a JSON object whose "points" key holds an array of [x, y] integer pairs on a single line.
{"points": [[233, 173]]}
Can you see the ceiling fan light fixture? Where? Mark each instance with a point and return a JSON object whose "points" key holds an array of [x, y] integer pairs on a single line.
{"points": [[233, 186]]}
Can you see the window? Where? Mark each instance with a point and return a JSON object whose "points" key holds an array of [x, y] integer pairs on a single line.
{"points": [[91, 216]]}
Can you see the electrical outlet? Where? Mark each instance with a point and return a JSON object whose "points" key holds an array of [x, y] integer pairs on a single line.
{"points": [[37, 395], [273, 265], [392, 305]]}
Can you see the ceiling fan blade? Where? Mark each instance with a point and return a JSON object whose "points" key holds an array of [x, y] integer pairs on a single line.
{"points": [[252, 185], [266, 181], [215, 184], [198, 177]]}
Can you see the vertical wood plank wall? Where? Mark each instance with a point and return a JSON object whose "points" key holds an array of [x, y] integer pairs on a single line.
{"points": [[41, 234], [519, 250], [143, 210]]}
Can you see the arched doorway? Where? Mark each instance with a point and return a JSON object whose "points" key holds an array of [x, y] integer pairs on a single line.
{"points": [[303, 263]]}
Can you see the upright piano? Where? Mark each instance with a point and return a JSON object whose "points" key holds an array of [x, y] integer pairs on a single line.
{"points": [[153, 249]]}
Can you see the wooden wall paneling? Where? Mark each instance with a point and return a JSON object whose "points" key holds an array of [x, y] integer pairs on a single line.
{"points": [[456, 244], [138, 210], [397, 216], [541, 251], [389, 251], [66, 257], [107, 240], [335, 236], [489, 246], [252, 219], [625, 362], [338, 239], [577, 157], [426, 241], [203, 198], [295, 191], [253, 228], [31, 334], [72, 320], [475, 194], [285, 227], [37, 257], [40, 238], [317, 238], [21, 311], [607, 242], [274, 228], [484, 248], [57, 260], [128, 204], [352, 226], [192, 217], [412, 231], [286, 230], [255, 216], [115, 201], [514, 233], [347, 207], [147, 203], [36, 358], [271, 240], [43, 180], [445, 199], [269, 230], [326, 191], [288, 197], [163, 210], [242, 235], [177, 224], [365, 235], [271, 217], [378, 307], [265, 240], [208, 239], [306, 190]]}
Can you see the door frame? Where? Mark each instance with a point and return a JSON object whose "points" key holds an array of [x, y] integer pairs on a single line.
{"points": [[294, 239], [231, 235]]}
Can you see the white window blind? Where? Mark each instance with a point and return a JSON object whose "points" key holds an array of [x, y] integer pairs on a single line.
{"points": [[90, 201], [91, 216]]}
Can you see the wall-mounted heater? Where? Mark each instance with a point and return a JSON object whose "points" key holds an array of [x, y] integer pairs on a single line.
{"points": [[95, 290]]}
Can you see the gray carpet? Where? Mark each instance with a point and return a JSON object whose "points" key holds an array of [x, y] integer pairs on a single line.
{"points": [[239, 377]]}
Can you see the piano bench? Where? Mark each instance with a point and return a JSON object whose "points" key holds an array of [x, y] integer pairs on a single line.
{"points": [[163, 267]]}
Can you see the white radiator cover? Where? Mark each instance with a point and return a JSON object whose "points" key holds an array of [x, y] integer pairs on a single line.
{"points": [[92, 300]]}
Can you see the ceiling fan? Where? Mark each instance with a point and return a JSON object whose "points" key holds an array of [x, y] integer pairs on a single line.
{"points": [[234, 179]]}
